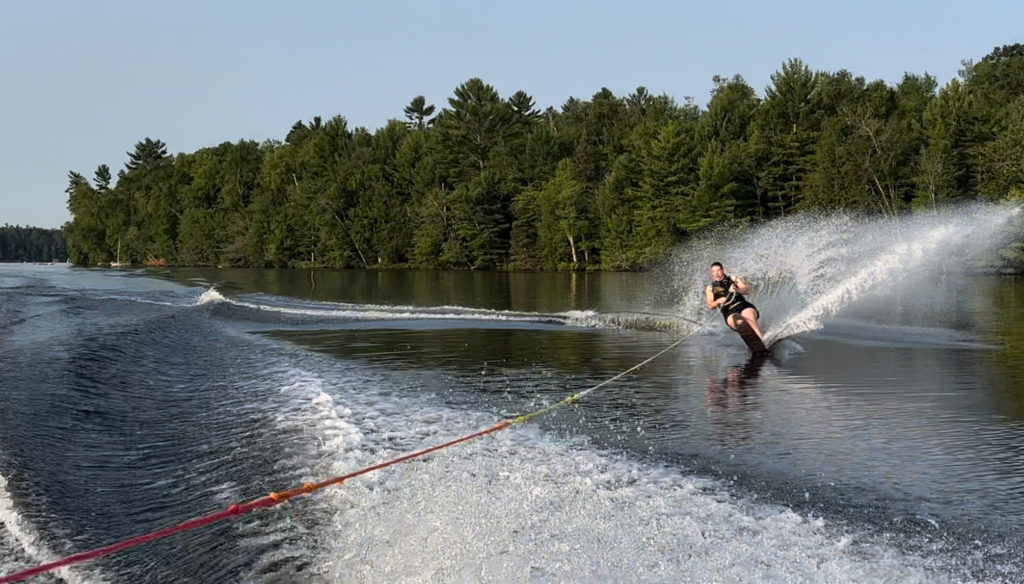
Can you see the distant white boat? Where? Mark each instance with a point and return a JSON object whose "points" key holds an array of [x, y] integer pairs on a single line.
{"points": [[118, 264]]}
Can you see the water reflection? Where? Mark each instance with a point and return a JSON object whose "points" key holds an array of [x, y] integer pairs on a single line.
{"points": [[731, 399]]}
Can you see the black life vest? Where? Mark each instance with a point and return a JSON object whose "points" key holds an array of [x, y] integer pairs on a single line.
{"points": [[721, 290]]}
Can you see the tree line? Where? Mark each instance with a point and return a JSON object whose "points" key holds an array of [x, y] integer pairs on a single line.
{"points": [[31, 244], [611, 182]]}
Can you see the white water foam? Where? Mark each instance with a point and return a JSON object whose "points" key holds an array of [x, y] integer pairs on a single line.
{"points": [[25, 537], [374, 312], [329, 444], [340, 311], [524, 506], [316, 414], [211, 296], [140, 300], [326, 312]]}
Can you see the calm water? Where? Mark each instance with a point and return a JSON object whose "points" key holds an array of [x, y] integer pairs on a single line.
{"points": [[883, 442]]}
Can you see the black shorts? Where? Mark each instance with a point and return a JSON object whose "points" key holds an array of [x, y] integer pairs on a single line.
{"points": [[738, 308]]}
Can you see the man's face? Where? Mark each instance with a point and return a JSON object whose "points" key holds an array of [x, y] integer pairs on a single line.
{"points": [[717, 273]]}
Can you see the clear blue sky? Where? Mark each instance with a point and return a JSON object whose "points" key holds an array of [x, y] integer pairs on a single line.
{"points": [[82, 82]]}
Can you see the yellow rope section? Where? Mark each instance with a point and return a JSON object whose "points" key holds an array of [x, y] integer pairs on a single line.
{"points": [[574, 398]]}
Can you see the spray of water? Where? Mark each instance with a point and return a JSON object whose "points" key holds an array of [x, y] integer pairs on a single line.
{"points": [[210, 296], [807, 267]]}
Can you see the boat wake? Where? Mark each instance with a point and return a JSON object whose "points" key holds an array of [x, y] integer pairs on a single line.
{"points": [[24, 539], [284, 311]]}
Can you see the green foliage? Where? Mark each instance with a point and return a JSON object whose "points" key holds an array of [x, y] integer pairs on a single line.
{"points": [[556, 217], [87, 233], [785, 130], [147, 152], [418, 113], [611, 182], [472, 127], [1001, 160], [31, 244]]}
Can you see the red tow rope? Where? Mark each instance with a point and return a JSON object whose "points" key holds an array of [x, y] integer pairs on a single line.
{"points": [[238, 509]]}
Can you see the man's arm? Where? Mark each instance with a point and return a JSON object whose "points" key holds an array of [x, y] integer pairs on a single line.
{"points": [[710, 297], [740, 285]]}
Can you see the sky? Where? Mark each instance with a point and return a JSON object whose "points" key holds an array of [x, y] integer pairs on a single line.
{"points": [[82, 82]]}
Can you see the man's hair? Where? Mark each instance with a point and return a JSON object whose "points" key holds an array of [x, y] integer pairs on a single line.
{"points": [[719, 264]]}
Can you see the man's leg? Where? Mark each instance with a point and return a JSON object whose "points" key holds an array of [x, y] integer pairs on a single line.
{"points": [[751, 315], [731, 321]]}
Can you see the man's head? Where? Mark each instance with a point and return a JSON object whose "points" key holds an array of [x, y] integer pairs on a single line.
{"points": [[717, 271]]}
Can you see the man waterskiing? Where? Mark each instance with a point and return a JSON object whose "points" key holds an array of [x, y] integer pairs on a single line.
{"points": [[726, 294]]}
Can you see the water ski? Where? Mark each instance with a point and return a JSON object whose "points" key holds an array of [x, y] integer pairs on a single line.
{"points": [[749, 337]]}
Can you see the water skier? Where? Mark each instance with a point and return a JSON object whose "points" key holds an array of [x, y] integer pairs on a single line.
{"points": [[726, 294]]}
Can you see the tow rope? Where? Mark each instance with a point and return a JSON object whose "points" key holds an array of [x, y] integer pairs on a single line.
{"points": [[274, 499]]}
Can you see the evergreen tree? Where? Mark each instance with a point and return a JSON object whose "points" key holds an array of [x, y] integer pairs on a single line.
{"points": [[418, 113], [784, 134], [86, 234]]}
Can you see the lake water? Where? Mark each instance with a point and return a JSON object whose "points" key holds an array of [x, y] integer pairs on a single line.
{"points": [[882, 441]]}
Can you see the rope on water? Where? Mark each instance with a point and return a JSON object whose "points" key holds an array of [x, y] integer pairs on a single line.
{"points": [[578, 396], [274, 499]]}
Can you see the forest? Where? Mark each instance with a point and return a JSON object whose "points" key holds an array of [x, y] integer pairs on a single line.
{"points": [[610, 182], [32, 244]]}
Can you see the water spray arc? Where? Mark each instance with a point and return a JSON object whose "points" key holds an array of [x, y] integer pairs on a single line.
{"points": [[808, 267]]}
